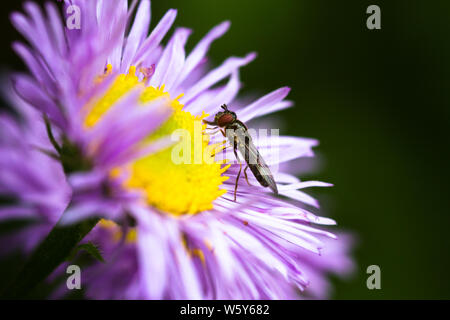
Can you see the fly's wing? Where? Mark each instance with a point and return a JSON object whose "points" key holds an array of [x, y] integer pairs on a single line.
{"points": [[254, 160]]}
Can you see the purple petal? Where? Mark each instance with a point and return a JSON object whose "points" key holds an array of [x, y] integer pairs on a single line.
{"points": [[137, 34], [155, 37], [200, 50], [265, 102], [227, 68], [172, 60]]}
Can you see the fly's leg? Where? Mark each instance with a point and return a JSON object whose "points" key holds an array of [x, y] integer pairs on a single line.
{"points": [[221, 150], [246, 177], [212, 128], [225, 141], [237, 180], [212, 132], [240, 169], [211, 123]]}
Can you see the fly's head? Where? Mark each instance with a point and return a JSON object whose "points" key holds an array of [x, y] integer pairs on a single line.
{"points": [[225, 117]]}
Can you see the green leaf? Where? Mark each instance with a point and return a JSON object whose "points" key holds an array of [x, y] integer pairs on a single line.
{"points": [[90, 248], [53, 251]]}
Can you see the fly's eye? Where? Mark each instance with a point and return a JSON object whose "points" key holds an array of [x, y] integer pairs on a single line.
{"points": [[225, 119]]}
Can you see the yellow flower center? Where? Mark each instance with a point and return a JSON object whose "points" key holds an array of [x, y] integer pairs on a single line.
{"points": [[130, 237], [117, 231], [176, 188]]}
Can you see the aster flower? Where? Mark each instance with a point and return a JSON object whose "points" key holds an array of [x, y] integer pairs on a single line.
{"points": [[32, 184], [113, 97]]}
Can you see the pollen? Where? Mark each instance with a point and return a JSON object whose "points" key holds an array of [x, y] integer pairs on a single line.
{"points": [[172, 187], [116, 231]]}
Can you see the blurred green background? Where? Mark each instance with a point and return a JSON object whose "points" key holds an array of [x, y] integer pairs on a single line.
{"points": [[378, 101]]}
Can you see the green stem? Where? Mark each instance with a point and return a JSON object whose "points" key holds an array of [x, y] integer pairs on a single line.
{"points": [[48, 256], [50, 135]]}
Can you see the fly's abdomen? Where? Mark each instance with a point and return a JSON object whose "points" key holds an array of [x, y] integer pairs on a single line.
{"points": [[260, 177], [244, 143]]}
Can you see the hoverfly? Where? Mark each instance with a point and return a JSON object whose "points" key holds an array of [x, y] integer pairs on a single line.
{"points": [[238, 135]]}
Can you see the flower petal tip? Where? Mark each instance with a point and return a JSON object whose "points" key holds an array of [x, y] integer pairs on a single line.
{"points": [[172, 12], [224, 26], [251, 56]]}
